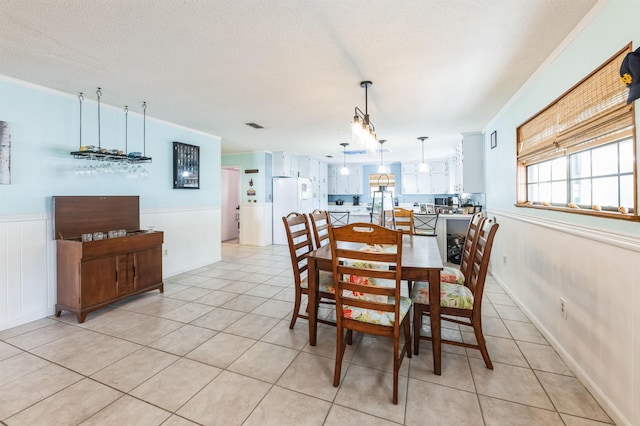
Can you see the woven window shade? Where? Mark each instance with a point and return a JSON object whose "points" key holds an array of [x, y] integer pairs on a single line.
{"points": [[592, 113], [378, 179]]}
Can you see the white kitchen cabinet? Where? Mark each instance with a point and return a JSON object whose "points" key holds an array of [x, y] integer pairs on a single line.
{"points": [[350, 184], [434, 181], [468, 164], [472, 162], [310, 168], [323, 182], [284, 165]]}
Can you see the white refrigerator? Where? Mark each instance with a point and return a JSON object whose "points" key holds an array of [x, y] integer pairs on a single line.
{"points": [[289, 195]]}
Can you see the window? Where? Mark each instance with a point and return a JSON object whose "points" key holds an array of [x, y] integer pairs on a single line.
{"points": [[388, 180], [600, 178], [578, 154]]}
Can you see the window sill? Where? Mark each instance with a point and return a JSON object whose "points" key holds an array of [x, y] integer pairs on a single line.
{"points": [[588, 212]]}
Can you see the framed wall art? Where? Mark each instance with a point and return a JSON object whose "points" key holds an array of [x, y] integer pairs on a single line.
{"points": [[186, 166]]}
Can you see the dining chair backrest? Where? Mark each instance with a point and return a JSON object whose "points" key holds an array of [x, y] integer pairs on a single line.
{"points": [[480, 264], [470, 243], [366, 262], [404, 219], [425, 224], [320, 225], [298, 233], [339, 218]]}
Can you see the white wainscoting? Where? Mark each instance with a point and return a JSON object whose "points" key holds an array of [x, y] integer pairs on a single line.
{"points": [[598, 274], [28, 256], [256, 224]]}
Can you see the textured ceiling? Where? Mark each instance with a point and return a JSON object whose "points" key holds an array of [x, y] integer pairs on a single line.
{"points": [[439, 67]]}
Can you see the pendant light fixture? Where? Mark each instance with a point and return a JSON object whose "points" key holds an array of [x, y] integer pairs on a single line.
{"points": [[344, 170], [363, 131], [424, 167], [381, 167]]}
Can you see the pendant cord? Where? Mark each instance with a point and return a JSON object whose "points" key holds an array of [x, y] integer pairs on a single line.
{"points": [[80, 99], [99, 93]]}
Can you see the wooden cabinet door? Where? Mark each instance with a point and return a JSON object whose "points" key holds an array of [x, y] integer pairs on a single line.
{"points": [[100, 280], [147, 268]]}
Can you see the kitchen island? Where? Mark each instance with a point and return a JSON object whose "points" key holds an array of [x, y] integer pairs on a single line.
{"points": [[454, 223]]}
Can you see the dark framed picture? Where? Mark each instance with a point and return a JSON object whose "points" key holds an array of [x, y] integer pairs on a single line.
{"points": [[494, 139], [186, 166]]}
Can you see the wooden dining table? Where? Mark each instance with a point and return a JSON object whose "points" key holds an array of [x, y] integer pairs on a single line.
{"points": [[421, 261]]}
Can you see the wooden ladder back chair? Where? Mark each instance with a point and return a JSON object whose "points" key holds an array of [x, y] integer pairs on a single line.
{"points": [[460, 301], [404, 220], [425, 224], [367, 268], [320, 225], [457, 275], [300, 245]]}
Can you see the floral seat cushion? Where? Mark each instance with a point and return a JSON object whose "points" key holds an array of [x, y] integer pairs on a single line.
{"points": [[325, 282], [451, 275], [377, 317], [451, 295]]}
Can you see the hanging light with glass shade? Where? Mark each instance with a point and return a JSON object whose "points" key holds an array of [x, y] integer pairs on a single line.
{"points": [[363, 131], [423, 167], [381, 167], [344, 170]]}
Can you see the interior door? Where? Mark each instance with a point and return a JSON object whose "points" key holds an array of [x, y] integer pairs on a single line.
{"points": [[230, 196]]}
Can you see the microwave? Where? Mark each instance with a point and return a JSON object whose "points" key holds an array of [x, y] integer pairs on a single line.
{"points": [[443, 201]]}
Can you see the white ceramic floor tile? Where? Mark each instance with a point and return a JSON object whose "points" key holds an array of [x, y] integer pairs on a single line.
{"points": [[282, 406], [228, 400], [429, 403]]}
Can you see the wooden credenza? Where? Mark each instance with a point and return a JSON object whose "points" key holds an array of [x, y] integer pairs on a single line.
{"points": [[94, 274]]}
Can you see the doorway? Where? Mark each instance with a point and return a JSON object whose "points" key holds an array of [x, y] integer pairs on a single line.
{"points": [[230, 209]]}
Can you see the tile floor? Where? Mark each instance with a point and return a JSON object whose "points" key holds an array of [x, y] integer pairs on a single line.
{"points": [[216, 348]]}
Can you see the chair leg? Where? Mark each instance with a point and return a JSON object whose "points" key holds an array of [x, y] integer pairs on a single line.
{"points": [[296, 308], [396, 367], [339, 353], [407, 335], [482, 345]]}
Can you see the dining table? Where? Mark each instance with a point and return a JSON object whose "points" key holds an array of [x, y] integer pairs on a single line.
{"points": [[420, 261]]}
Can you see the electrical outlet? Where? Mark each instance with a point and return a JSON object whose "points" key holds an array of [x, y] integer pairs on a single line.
{"points": [[563, 308], [504, 259], [165, 252]]}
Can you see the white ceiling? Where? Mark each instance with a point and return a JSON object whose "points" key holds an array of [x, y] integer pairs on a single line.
{"points": [[439, 67]]}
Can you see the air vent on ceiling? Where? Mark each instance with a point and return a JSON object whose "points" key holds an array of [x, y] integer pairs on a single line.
{"points": [[254, 125]]}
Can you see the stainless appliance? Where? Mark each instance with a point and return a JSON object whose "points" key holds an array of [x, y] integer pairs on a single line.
{"points": [[356, 200]]}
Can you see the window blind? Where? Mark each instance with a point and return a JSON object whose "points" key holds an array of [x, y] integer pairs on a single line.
{"points": [[591, 113]]}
